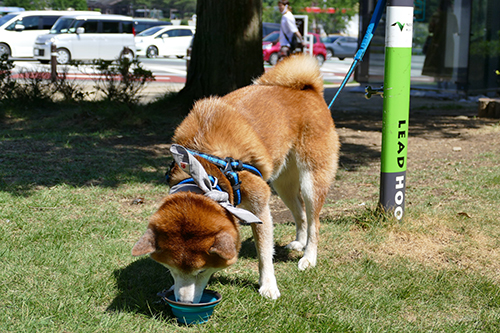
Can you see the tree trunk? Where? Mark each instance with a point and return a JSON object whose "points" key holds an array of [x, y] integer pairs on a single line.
{"points": [[227, 48]]}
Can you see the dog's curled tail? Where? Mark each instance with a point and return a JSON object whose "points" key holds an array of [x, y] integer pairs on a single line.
{"points": [[299, 72]]}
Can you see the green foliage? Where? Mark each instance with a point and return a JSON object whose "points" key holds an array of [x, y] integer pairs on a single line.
{"points": [[70, 89], [486, 48], [65, 4], [7, 84], [270, 12], [181, 8], [32, 89], [119, 81], [42, 4], [26, 4]]}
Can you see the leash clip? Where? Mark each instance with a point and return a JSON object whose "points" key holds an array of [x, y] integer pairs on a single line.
{"points": [[370, 92], [231, 175]]}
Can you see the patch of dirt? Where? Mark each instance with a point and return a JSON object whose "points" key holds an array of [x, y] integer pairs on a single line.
{"points": [[439, 129]]}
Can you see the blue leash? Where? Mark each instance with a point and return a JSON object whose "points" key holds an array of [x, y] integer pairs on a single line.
{"points": [[377, 14]]}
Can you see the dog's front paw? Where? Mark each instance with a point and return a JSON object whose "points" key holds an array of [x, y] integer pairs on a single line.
{"points": [[269, 292], [306, 263], [295, 246]]}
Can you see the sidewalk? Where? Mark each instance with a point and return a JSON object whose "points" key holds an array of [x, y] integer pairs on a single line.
{"points": [[158, 89], [351, 99]]}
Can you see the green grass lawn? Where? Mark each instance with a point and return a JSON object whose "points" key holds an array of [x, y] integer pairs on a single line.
{"points": [[68, 224]]}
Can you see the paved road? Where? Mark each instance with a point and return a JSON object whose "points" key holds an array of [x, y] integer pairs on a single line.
{"points": [[173, 70]]}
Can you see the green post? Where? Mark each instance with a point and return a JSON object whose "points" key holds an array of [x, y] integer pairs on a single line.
{"points": [[398, 43]]}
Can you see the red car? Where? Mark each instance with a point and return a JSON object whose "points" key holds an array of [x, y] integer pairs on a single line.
{"points": [[271, 48]]}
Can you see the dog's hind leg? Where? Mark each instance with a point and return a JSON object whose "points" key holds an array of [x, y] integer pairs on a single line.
{"points": [[303, 189], [288, 188], [313, 200], [315, 180], [316, 160], [316, 172], [296, 206]]}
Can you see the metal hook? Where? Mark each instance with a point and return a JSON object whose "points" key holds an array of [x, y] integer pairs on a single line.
{"points": [[370, 92]]}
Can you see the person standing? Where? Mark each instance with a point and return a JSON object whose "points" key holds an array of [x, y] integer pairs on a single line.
{"points": [[439, 46], [288, 29]]}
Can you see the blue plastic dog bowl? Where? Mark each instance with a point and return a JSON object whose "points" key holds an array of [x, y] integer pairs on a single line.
{"points": [[197, 313]]}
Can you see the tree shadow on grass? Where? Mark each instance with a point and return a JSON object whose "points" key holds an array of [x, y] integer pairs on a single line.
{"points": [[353, 156], [81, 160], [234, 281], [138, 285], [39, 153], [437, 117], [248, 251], [281, 254]]}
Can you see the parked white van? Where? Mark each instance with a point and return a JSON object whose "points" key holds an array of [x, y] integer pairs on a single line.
{"points": [[82, 37], [19, 30]]}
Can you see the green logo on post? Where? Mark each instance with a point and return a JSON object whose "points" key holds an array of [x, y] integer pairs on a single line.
{"points": [[401, 26]]}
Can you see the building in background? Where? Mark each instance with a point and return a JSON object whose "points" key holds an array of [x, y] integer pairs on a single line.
{"points": [[456, 46]]}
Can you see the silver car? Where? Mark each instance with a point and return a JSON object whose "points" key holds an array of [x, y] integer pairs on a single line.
{"points": [[340, 46], [84, 37]]}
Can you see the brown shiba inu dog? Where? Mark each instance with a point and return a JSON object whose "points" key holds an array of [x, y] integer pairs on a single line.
{"points": [[280, 126]]}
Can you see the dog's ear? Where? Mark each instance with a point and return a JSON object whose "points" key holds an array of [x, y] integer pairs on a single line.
{"points": [[224, 245], [145, 245]]}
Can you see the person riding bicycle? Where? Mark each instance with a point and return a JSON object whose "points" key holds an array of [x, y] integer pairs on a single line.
{"points": [[288, 30]]}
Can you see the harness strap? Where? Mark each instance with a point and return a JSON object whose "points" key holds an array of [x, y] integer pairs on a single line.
{"points": [[213, 180], [233, 178], [203, 183], [236, 165], [229, 167]]}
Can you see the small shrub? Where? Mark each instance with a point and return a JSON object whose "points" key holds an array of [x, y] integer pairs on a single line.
{"points": [[7, 84], [121, 81], [32, 88], [70, 89], [368, 219]]}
